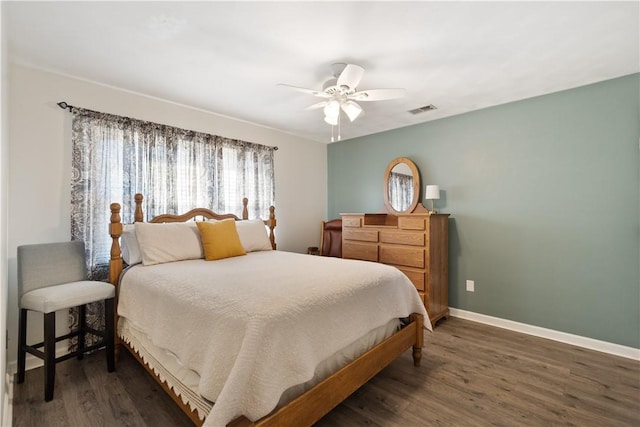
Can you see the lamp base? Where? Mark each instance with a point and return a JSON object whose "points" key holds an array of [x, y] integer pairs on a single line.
{"points": [[432, 210]]}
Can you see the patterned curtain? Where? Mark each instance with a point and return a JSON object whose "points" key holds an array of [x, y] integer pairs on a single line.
{"points": [[176, 170], [400, 191]]}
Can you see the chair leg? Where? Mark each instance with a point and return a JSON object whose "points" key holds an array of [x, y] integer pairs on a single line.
{"points": [[109, 333], [49, 354], [82, 326], [22, 342]]}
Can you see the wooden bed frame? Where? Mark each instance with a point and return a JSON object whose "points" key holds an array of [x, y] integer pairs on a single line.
{"points": [[310, 406]]}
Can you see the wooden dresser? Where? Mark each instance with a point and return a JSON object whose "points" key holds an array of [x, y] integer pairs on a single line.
{"points": [[416, 243]]}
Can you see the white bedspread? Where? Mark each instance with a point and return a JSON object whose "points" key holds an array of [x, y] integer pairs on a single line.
{"points": [[252, 326]]}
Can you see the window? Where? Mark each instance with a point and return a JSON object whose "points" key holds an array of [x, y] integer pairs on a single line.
{"points": [[175, 169]]}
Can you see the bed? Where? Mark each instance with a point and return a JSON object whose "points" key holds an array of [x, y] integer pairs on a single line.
{"points": [[273, 338]]}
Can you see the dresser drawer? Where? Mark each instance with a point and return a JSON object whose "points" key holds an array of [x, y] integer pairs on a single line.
{"points": [[416, 277], [397, 255], [410, 223], [351, 221], [413, 238], [362, 235], [359, 251]]}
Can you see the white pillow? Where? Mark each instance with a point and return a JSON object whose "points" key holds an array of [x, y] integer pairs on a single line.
{"points": [[253, 235], [167, 242], [129, 245]]}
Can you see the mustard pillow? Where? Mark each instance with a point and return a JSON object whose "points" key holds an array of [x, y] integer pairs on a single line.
{"points": [[220, 239]]}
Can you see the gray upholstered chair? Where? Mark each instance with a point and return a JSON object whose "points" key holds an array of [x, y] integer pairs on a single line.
{"points": [[52, 277]]}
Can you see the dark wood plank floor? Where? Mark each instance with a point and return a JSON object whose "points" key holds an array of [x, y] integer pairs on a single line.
{"points": [[471, 375]]}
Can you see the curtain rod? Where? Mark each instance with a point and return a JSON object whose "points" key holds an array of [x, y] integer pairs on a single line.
{"points": [[64, 106]]}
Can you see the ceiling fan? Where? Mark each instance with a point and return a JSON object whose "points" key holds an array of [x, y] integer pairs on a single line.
{"points": [[340, 93]]}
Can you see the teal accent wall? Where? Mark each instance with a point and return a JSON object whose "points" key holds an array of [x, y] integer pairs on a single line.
{"points": [[544, 197]]}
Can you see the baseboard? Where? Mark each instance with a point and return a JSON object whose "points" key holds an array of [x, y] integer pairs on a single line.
{"points": [[577, 340], [32, 362], [7, 404]]}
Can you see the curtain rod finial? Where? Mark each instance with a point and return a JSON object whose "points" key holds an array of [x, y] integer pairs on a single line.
{"points": [[64, 105]]}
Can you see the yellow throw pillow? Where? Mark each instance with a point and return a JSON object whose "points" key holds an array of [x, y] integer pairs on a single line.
{"points": [[220, 239]]}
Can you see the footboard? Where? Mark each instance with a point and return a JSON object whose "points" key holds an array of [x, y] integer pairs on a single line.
{"points": [[318, 401], [311, 406]]}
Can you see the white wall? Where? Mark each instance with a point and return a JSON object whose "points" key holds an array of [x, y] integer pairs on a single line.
{"points": [[40, 165], [5, 392]]}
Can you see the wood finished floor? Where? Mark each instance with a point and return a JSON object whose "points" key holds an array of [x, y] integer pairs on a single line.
{"points": [[471, 375]]}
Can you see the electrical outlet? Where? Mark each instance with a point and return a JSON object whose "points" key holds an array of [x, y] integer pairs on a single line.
{"points": [[470, 286]]}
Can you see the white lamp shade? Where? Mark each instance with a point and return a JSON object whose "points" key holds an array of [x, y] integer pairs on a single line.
{"points": [[332, 109], [333, 121], [432, 192], [351, 109]]}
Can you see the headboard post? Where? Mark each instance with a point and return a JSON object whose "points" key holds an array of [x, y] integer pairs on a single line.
{"points": [[137, 216], [115, 262], [271, 223], [245, 211], [115, 231]]}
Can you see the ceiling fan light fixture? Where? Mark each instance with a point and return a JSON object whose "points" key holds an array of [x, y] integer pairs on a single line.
{"points": [[341, 93], [332, 109], [351, 109], [333, 121]]}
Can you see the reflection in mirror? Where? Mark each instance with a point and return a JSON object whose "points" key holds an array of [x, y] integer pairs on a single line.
{"points": [[401, 187]]}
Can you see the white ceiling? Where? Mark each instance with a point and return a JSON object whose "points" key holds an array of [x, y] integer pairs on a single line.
{"points": [[227, 57]]}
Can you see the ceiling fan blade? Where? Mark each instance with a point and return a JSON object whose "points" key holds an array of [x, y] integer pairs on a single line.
{"points": [[313, 92], [351, 76], [351, 109], [316, 106], [377, 94]]}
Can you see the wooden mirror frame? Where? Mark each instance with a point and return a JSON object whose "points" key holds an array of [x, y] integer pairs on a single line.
{"points": [[416, 185]]}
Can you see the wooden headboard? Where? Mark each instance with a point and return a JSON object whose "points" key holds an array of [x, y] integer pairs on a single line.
{"points": [[115, 228]]}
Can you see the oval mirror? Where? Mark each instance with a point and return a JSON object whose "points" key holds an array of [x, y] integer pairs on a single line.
{"points": [[401, 186]]}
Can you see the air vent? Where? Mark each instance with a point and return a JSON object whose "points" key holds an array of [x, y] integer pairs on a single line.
{"points": [[423, 109]]}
